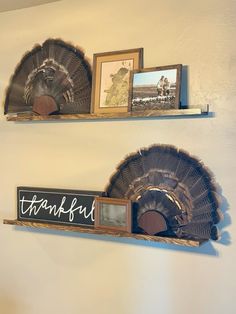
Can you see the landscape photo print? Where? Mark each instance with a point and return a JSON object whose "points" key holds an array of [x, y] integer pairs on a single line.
{"points": [[156, 88], [113, 213]]}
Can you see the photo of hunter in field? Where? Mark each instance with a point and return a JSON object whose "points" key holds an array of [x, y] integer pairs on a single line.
{"points": [[156, 88]]}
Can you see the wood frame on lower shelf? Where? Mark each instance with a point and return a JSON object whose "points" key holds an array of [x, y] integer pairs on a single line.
{"points": [[92, 230], [21, 117]]}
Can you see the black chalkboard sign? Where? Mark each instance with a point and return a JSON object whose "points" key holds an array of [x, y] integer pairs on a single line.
{"points": [[69, 207]]}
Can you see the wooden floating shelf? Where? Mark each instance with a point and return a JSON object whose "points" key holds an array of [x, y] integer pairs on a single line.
{"points": [[92, 230], [126, 115]]}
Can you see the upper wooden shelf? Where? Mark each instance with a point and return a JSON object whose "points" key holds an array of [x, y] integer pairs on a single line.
{"points": [[92, 230], [127, 115]]}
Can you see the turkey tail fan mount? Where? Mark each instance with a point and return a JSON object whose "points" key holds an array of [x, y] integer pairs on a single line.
{"points": [[174, 193], [50, 79]]}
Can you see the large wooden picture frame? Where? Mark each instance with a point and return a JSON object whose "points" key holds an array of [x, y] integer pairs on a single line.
{"points": [[111, 79], [113, 213], [155, 88]]}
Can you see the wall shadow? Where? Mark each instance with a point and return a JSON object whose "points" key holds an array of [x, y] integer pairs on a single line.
{"points": [[206, 248], [225, 238], [184, 88], [10, 305]]}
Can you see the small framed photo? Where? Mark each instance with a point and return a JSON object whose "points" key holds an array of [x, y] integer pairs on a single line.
{"points": [[113, 213], [155, 88], [111, 79]]}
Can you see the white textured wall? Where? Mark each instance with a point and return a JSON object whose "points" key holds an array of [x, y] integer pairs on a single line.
{"points": [[55, 272]]}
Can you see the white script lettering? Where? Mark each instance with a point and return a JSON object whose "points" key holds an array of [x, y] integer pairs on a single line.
{"points": [[34, 206]]}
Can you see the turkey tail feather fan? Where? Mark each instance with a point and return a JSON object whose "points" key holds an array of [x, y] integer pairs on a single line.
{"points": [[52, 78], [176, 185]]}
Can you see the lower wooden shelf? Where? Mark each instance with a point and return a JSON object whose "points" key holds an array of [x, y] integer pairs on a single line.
{"points": [[92, 230]]}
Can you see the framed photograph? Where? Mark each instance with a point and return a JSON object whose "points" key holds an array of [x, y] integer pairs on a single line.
{"points": [[113, 213], [111, 79], [155, 88]]}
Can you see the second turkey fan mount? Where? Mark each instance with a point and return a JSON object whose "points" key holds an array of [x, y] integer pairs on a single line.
{"points": [[53, 81]]}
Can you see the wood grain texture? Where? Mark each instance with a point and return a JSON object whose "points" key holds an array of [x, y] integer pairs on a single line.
{"points": [[92, 230], [105, 116]]}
